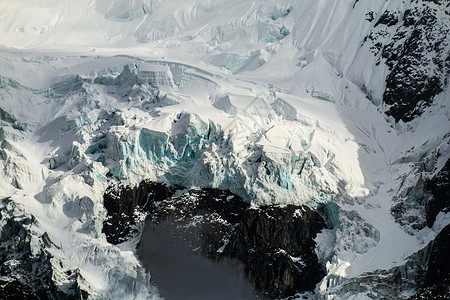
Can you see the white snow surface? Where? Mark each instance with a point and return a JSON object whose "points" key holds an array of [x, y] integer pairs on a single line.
{"points": [[263, 98]]}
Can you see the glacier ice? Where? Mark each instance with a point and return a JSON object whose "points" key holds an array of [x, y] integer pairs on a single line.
{"points": [[188, 145], [222, 94]]}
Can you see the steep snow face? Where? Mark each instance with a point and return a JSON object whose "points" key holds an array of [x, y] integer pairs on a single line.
{"points": [[382, 47], [278, 101], [130, 23]]}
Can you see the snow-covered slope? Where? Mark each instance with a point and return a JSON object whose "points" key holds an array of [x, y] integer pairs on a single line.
{"points": [[278, 101]]}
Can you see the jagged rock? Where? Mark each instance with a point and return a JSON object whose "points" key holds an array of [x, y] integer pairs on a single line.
{"points": [[439, 187], [25, 273], [414, 77], [277, 248], [14, 290], [126, 205], [439, 263], [408, 87], [274, 244], [437, 284], [435, 292]]}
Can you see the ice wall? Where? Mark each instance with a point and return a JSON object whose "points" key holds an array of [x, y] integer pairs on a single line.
{"points": [[263, 160]]}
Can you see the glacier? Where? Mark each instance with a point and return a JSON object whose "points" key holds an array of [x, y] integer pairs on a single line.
{"points": [[280, 102]]}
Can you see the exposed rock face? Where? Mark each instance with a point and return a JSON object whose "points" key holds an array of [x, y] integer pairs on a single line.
{"points": [[439, 263], [10, 290], [428, 197], [26, 271], [277, 248], [437, 285], [409, 88], [437, 276], [414, 45], [435, 292], [273, 244], [439, 187], [127, 206]]}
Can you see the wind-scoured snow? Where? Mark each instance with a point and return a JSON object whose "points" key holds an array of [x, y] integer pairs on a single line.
{"points": [[278, 101]]}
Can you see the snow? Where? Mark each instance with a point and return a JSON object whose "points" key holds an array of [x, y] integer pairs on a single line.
{"points": [[265, 99]]}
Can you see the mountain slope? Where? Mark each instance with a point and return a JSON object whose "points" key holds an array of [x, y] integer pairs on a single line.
{"points": [[340, 106]]}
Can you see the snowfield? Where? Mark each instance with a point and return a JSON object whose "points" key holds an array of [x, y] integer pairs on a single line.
{"points": [[280, 102]]}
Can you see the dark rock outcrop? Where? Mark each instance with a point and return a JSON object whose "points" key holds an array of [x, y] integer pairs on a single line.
{"points": [[274, 245], [435, 292], [277, 247], [127, 205], [15, 290], [439, 188], [413, 45], [25, 274], [437, 284], [439, 263], [410, 86]]}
